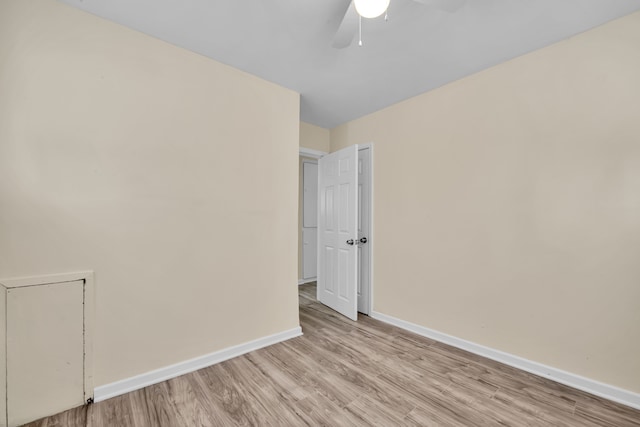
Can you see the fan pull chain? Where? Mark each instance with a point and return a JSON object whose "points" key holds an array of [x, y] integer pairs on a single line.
{"points": [[386, 15], [360, 30]]}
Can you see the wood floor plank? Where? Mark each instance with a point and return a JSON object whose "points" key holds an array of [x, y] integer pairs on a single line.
{"points": [[116, 411], [270, 405], [421, 417], [74, 417], [228, 396], [145, 409], [370, 412], [354, 373], [605, 412], [546, 414], [210, 400], [318, 411], [345, 373], [446, 411]]}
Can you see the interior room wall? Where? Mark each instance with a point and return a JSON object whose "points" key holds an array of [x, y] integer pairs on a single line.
{"points": [[314, 137], [170, 175], [507, 205]]}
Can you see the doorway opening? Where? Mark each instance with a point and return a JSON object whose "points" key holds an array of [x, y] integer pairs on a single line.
{"points": [[335, 243], [308, 221]]}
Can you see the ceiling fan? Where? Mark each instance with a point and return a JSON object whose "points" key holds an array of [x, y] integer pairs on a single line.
{"points": [[372, 9]]}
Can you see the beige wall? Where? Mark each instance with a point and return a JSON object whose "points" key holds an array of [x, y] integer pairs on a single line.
{"points": [[314, 137], [507, 205], [172, 176]]}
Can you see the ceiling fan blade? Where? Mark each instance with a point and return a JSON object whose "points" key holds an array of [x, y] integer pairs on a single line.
{"points": [[348, 28], [446, 5]]}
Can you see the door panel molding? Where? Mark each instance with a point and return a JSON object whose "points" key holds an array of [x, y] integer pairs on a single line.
{"points": [[337, 231]]}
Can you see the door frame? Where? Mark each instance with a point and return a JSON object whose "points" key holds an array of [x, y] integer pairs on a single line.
{"points": [[314, 154], [308, 152], [370, 240], [302, 280]]}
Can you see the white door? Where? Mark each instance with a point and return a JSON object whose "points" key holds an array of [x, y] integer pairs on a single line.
{"points": [[337, 231]]}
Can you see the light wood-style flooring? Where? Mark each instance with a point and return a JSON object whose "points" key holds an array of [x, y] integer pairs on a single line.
{"points": [[343, 373]]}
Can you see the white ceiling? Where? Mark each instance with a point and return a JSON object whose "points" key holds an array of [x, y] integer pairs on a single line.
{"points": [[420, 48]]}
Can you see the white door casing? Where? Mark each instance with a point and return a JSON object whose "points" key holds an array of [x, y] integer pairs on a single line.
{"points": [[364, 229], [337, 231]]}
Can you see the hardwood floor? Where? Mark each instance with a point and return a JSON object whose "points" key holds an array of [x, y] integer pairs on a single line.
{"points": [[343, 373]]}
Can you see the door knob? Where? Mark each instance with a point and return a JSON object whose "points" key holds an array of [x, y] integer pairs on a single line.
{"points": [[363, 240], [350, 242]]}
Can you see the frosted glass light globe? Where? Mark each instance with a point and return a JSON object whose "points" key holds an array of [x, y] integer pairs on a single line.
{"points": [[371, 8]]}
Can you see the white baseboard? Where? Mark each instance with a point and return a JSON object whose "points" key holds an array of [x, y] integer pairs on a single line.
{"points": [[303, 281], [597, 388], [126, 385]]}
